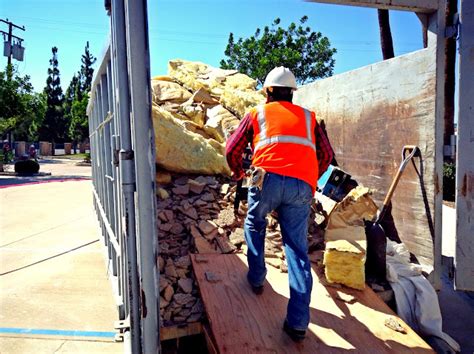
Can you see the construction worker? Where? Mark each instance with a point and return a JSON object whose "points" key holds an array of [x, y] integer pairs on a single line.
{"points": [[290, 153]]}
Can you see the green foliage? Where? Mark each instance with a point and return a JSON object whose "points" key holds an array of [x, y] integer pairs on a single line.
{"points": [[306, 53], [79, 127], [87, 73], [53, 126], [77, 99], [20, 108], [6, 157], [449, 181]]}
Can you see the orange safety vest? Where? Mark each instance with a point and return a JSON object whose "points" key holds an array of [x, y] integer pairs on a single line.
{"points": [[284, 141]]}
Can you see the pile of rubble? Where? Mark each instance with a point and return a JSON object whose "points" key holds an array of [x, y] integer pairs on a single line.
{"points": [[196, 215]]}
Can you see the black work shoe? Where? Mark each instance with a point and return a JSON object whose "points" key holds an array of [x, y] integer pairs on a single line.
{"points": [[257, 290], [296, 335]]}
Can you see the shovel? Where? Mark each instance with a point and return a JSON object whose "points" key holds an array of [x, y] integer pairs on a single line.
{"points": [[375, 264]]}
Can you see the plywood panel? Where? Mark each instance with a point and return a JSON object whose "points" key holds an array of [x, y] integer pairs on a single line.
{"points": [[424, 6], [370, 114], [242, 322]]}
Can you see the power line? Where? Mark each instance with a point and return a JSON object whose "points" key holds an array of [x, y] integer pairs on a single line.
{"points": [[168, 31]]}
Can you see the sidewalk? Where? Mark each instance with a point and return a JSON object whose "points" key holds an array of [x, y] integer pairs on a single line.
{"points": [[54, 293]]}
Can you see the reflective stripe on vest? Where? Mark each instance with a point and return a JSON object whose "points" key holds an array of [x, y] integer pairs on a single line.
{"points": [[264, 140]]}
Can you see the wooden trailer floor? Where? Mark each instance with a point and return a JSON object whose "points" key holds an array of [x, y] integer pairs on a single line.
{"points": [[341, 319]]}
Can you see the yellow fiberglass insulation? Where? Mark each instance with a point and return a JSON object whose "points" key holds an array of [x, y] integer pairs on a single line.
{"points": [[346, 245], [184, 151]]}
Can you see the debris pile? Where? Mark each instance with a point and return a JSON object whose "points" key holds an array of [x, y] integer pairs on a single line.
{"points": [[196, 215]]}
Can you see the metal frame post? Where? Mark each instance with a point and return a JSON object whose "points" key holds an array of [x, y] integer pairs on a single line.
{"points": [[464, 261], [144, 145], [126, 170]]}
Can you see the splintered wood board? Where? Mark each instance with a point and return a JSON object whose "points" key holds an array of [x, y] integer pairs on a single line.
{"points": [[242, 322], [370, 114]]}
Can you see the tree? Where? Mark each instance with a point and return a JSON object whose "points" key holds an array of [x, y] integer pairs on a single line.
{"points": [[77, 98], [20, 107], [72, 92], [87, 72], [53, 127], [306, 53]]}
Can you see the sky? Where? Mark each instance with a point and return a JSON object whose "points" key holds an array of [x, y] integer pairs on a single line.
{"points": [[194, 30]]}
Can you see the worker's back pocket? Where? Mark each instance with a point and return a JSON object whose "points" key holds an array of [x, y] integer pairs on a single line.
{"points": [[305, 192]]}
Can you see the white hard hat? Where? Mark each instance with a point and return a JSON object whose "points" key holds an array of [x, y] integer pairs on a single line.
{"points": [[280, 77]]}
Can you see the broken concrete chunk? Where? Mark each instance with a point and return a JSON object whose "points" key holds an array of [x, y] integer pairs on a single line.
{"points": [[168, 293], [206, 227], [181, 190], [163, 283], [182, 273], [161, 264], [165, 227], [182, 299], [163, 303], [196, 186], [186, 285], [183, 262], [194, 231], [162, 216], [191, 212], [170, 271], [176, 229], [208, 197]]}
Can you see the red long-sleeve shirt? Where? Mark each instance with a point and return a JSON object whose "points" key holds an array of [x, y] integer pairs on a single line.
{"points": [[238, 141]]}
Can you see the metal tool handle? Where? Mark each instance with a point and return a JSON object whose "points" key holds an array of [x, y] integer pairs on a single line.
{"points": [[405, 159]]}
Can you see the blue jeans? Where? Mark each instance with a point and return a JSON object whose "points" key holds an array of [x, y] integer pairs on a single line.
{"points": [[291, 199]]}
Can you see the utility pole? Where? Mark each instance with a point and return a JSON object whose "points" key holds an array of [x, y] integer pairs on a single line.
{"points": [[11, 36]]}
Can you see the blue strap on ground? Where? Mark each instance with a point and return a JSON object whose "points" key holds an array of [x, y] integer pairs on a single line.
{"points": [[57, 332]]}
